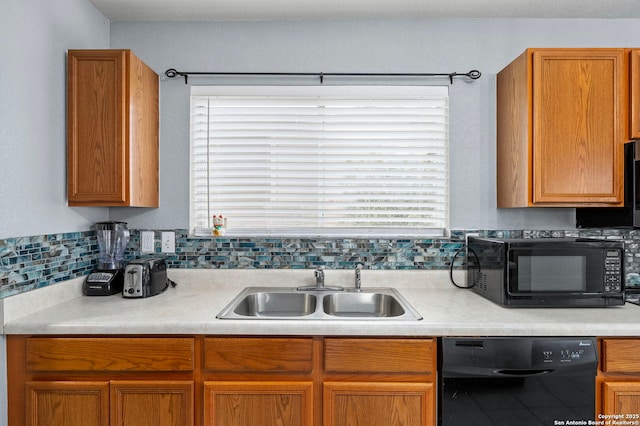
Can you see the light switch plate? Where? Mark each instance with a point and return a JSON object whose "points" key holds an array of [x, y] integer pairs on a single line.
{"points": [[147, 241], [168, 242]]}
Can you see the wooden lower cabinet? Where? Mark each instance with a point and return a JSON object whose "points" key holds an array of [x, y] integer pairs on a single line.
{"points": [[379, 382], [114, 380], [116, 403], [220, 381], [378, 404], [621, 398], [258, 403], [67, 403], [152, 403], [619, 380]]}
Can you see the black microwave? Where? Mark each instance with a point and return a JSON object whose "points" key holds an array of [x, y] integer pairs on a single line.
{"points": [[547, 272]]}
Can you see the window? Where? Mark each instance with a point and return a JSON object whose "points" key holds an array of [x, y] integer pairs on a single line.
{"points": [[320, 160]]}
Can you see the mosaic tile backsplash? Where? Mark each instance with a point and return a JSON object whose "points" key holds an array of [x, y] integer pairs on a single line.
{"points": [[27, 263]]}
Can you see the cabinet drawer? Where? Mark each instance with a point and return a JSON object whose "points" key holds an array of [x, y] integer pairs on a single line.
{"points": [[109, 354], [621, 355], [379, 355], [245, 354]]}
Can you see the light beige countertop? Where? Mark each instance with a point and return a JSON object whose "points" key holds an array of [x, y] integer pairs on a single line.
{"points": [[192, 306]]}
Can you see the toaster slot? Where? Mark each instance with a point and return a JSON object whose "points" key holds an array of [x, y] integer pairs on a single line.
{"points": [[133, 281]]}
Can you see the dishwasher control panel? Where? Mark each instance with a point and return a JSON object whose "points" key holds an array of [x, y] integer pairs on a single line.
{"points": [[490, 356], [551, 352]]}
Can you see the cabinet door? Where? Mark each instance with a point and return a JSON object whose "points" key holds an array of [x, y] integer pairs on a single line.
{"points": [[378, 404], [579, 125], [152, 403], [622, 398], [67, 403], [635, 94], [258, 403], [96, 127], [112, 130]]}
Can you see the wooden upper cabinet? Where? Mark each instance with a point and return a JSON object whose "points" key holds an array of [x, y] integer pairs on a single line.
{"points": [[635, 93], [562, 120], [112, 134]]}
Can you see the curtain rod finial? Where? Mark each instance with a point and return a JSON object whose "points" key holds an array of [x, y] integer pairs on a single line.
{"points": [[474, 74]]}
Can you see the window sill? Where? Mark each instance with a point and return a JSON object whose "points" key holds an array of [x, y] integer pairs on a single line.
{"points": [[336, 233]]}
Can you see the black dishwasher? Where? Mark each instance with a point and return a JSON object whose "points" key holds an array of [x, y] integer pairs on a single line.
{"points": [[524, 381]]}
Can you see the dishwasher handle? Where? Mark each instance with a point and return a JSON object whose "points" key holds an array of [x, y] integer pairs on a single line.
{"points": [[470, 371], [523, 373]]}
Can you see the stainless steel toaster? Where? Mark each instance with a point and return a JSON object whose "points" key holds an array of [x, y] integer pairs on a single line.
{"points": [[145, 278]]}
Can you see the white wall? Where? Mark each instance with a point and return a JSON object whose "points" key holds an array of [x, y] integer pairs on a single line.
{"points": [[35, 35], [377, 46]]}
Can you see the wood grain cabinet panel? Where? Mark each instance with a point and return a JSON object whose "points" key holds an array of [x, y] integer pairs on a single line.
{"points": [[109, 354], [258, 403], [618, 391], [115, 403], [562, 120], [362, 355], [621, 356], [152, 403], [622, 398], [378, 404], [634, 102], [258, 354], [67, 403], [112, 130]]}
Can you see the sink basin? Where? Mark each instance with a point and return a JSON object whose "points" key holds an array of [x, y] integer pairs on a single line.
{"points": [[271, 304], [362, 305], [287, 303]]}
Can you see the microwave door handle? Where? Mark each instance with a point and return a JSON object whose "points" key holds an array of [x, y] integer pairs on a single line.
{"points": [[556, 293]]}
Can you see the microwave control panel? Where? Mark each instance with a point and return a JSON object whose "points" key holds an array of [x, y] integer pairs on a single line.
{"points": [[613, 271]]}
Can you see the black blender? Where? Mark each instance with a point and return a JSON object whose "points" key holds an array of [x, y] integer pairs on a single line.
{"points": [[108, 278]]}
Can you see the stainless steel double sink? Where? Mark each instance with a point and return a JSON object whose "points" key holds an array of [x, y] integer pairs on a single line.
{"points": [[273, 303]]}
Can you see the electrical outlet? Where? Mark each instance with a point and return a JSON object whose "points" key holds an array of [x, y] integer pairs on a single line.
{"points": [[147, 243], [168, 242]]}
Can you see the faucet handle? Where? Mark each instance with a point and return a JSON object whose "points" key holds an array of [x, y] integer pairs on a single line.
{"points": [[358, 280]]}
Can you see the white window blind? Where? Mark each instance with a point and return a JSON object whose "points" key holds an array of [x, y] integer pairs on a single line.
{"points": [[328, 160]]}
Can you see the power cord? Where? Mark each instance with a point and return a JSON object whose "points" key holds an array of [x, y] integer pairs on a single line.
{"points": [[453, 260]]}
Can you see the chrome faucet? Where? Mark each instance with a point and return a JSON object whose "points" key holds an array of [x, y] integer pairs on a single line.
{"points": [[358, 282], [319, 274]]}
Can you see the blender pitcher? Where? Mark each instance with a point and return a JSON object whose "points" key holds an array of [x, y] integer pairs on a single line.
{"points": [[113, 238]]}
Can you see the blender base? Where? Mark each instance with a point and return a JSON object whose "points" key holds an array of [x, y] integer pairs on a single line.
{"points": [[103, 282]]}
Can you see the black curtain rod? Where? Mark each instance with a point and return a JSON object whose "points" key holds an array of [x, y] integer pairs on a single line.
{"points": [[172, 73]]}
